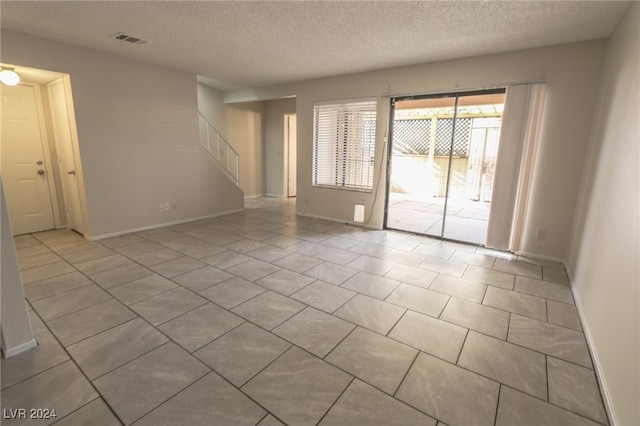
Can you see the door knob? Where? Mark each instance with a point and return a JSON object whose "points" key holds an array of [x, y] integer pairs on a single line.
{"points": [[40, 172], [71, 172], [39, 162]]}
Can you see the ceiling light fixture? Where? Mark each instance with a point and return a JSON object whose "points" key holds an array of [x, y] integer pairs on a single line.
{"points": [[9, 77]]}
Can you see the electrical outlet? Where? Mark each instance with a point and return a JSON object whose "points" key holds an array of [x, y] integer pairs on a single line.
{"points": [[167, 206], [541, 234], [161, 207]]}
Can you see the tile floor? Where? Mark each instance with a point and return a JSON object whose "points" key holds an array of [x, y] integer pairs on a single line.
{"points": [[262, 317]]}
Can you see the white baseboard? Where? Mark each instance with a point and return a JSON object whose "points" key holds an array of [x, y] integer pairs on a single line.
{"points": [[344, 222], [159, 225], [15, 350], [602, 383], [542, 257]]}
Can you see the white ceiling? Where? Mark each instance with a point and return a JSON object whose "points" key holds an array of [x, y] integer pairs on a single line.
{"points": [[239, 44]]}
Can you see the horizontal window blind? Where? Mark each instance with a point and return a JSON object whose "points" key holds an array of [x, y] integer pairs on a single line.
{"points": [[344, 139]]}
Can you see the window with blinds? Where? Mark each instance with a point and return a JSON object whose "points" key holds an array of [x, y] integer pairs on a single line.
{"points": [[344, 141]]}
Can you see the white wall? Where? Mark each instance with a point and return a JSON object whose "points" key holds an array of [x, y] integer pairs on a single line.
{"points": [[571, 72], [15, 325], [605, 256], [274, 146], [138, 136], [241, 125]]}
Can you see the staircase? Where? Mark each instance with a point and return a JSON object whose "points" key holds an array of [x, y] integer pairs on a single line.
{"points": [[226, 157]]}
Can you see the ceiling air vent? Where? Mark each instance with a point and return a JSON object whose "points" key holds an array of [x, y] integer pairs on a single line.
{"points": [[130, 39]]}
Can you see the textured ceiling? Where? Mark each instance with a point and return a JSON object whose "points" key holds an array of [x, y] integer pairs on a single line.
{"points": [[238, 44]]}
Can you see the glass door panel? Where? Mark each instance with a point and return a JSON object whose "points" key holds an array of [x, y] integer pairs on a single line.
{"points": [[472, 158], [421, 134], [442, 162]]}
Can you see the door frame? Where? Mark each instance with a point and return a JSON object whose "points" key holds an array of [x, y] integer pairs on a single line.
{"points": [[392, 109], [51, 169], [65, 81], [287, 155]]}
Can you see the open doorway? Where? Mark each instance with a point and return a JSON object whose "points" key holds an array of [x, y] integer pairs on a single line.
{"points": [[443, 154], [290, 145], [40, 159]]}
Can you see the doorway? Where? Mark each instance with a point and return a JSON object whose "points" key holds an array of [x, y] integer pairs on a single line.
{"points": [[41, 167], [442, 163], [290, 145]]}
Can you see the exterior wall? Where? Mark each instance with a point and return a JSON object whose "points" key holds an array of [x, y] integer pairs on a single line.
{"points": [[138, 136], [603, 261]]}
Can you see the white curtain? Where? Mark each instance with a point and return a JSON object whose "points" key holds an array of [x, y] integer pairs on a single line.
{"points": [[516, 155]]}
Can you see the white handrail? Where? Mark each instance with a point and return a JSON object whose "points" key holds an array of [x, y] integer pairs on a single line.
{"points": [[222, 149]]}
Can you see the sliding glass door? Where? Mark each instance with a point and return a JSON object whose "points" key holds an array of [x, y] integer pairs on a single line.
{"points": [[442, 158]]}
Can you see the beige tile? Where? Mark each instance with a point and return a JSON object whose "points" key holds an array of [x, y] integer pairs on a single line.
{"points": [[177, 266], [483, 319], [373, 358], [232, 293], [331, 273], [62, 388], [517, 408], [95, 413], [146, 382], [141, 289], [415, 276], [371, 285], [298, 388], [200, 326], [314, 331], [202, 278], [557, 292], [430, 335], [285, 282], [119, 276], [56, 285], [372, 265], [575, 388], [168, 305], [403, 257], [43, 272], [225, 259], [92, 320], [153, 257], [253, 269], [242, 353], [550, 339], [324, 296], [443, 266], [209, 401], [432, 384], [362, 404], [463, 289], [475, 259], [268, 309], [503, 362], [371, 313], [298, 262], [563, 315], [488, 276], [70, 301], [20, 367], [110, 349], [106, 263], [520, 303], [518, 268], [418, 299]]}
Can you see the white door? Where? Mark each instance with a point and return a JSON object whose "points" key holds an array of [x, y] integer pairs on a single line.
{"points": [[25, 172], [66, 157], [291, 142]]}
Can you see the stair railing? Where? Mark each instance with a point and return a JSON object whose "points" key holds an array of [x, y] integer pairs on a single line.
{"points": [[227, 157]]}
